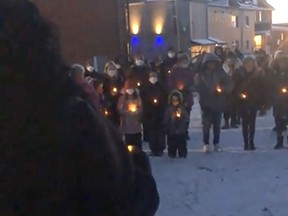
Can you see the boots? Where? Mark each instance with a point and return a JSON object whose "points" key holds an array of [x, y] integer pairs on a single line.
{"points": [[279, 144]]}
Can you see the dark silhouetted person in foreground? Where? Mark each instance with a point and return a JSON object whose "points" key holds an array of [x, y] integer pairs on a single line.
{"points": [[58, 156]]}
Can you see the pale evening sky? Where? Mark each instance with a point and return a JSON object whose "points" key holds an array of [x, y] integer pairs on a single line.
{"points": [[280, 15]]}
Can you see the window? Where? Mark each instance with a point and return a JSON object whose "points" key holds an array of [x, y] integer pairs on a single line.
{"points": [[247, 44], [235, 21], [259, 16], [282, 36], [258, 42], [247, 21]]}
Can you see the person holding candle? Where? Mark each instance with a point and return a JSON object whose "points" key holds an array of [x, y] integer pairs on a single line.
{"points": [[212, 84], [154, 97], [139, 71], [251, 98], [130, 110], [176, 121], [182, 79], [113, 83], [167, 64], [280, 97]]}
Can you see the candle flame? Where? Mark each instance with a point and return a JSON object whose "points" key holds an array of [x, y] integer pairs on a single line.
{"points": [[155, 101], [178, 114], [244, 96], [219, 89], [138, 84], [284, 90], [169, 71], [115, 90], [132, 108], [130, 148]]}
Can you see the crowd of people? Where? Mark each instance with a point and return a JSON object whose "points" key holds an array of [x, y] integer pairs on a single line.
{"points": [[152, 101], [59, 156]]}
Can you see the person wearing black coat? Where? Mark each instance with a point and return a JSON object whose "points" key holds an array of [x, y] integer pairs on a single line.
{"points": [[176, 121], [212, 84], [113, 84], [280, 98], [251, 97], [58, 155], [154, 98], [167, 65]]}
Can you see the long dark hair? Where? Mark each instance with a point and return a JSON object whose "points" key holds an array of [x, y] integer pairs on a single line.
{"points": [[33, 79]]}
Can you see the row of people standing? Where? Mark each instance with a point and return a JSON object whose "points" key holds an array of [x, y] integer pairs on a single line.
{"points": [[226, 85], [140, 99]]}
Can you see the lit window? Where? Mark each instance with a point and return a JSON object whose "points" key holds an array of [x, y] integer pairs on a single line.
{"points": [[278, 42], [258, 41], [260, 16], [235, 21], [282, 36]]}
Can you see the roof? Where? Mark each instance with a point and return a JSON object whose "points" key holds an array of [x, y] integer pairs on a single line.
{"points": [[216, 40], [251, 4], [202, 42], [280, 27], [218, 3]]}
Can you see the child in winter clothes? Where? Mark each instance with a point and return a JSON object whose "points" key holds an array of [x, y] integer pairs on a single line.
{"points": [[175, 120], [130, 109]]}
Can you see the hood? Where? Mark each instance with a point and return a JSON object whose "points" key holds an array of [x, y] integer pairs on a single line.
{"points": [[178, 94], [211, 57]]}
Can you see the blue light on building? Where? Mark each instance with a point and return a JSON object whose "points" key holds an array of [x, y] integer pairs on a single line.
{"points": [[159, 41], [134, 40]]}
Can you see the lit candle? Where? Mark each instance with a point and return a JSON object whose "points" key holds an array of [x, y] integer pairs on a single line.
{"points": [[106, 113], [138, 84], [114, 90], [219, 89], [155, 101], [132, 108], [130, 148], [244, 96], [284, 90], [169, 71], [178, 114]]}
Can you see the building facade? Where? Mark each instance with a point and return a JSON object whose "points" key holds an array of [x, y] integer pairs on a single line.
{"points": [[279, 37], [158, 25], [88, 28]]}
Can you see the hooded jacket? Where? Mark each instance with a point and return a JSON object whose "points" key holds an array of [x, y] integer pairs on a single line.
{"points": [[176, 124], [207, 83], [182, 79]]}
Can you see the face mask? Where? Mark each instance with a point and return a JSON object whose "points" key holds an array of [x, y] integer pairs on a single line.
{"points": [[112, 73], [90, 68], [139, 62], [130, 91], [153, 80], [171, 54]]}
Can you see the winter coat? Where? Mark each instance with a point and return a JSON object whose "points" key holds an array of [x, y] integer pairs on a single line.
{"points": [[280, 99], [209, 81], [139, 74], [166, 67], [154, 99], [112, 91], [131, 122], [249, 90], [90, 94], [176, 120], [182, 79]]}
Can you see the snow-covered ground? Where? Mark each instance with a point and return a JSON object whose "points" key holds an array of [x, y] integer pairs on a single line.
{"points": [[232, 183]]}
